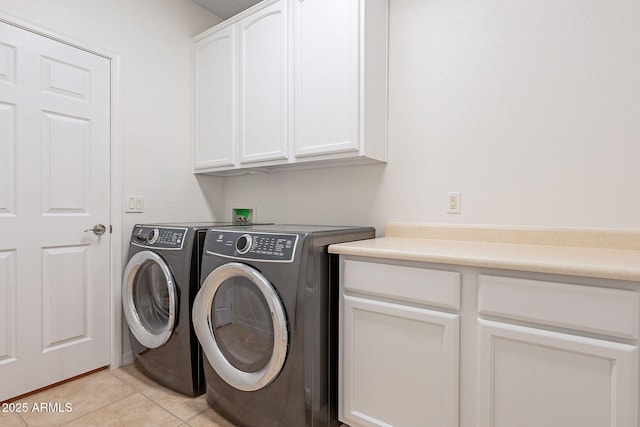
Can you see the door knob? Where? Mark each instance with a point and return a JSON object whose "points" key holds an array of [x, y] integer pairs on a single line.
{"points": [[97, 229]]}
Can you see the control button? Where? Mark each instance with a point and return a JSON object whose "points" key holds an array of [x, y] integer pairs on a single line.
{"points": [[243, 244], [153, 235]]}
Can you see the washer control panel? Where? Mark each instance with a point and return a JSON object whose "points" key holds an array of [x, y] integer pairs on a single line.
{"points": [[149, 236], [272, 247]]}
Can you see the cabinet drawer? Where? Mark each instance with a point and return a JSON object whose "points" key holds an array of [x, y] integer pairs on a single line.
{"points": [[415, 284], [613, 312]]}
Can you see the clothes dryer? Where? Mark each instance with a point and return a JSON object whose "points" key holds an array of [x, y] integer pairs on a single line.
{"points": [[266, 316], [159, 285]]}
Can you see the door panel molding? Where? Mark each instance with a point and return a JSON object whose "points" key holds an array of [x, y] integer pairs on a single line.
{"points": [[8, 158], [8, 320]]}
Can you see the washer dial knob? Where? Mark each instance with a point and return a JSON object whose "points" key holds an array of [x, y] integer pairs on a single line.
{"points": [[243, 244], [153, 235]]}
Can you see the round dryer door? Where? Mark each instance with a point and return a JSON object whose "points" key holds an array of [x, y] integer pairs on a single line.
{"points": [[149, 299], [241, 325]]}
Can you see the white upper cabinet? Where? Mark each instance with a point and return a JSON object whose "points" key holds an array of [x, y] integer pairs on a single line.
{"points": [[291, 81], [215, 99], [263, 85], [326, 76], [241, 90], [340, 79]]}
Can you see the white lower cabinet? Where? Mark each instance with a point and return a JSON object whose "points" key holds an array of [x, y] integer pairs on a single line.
{"points": [[426, 345], [393, 350], [399, 362], [529, 377], [535, 375]]}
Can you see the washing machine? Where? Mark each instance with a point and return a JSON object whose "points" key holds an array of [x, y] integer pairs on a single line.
{"points": [[266, 316], [160, 281]]}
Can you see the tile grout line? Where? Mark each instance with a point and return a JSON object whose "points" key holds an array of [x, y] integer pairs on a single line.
{"points": [[133, 392], [184, 420], [23, 420], [100, 408], [164, 409], [145, 392], [88, 413], [197, 415]]}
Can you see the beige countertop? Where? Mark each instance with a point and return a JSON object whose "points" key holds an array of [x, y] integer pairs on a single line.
{"points": [[599, 253]]}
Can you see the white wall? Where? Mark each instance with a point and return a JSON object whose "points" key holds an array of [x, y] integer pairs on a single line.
{"points": [[153, 38], [531, 109]]}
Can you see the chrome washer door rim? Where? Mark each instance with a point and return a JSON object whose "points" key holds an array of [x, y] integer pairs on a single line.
{"points": [[142, 334], [203, 325]]}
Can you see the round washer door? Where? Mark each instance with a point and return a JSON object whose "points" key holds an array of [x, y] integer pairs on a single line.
{"points": [[241, 325], [149, 299]]}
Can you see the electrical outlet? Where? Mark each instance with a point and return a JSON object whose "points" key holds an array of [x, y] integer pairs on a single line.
{"points": [[454, 202]]}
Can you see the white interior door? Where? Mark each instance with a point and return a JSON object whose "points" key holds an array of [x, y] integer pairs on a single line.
{"points": [[54, 184]]}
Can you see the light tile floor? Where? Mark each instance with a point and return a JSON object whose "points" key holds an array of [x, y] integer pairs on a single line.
{"points": [[114, 398]]}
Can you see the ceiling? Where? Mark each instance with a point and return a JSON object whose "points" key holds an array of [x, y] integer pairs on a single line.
{"points": [[225, 8]]}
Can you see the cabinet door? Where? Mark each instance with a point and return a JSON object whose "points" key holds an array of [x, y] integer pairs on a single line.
{"points": [[263, 85], [531, 378], [399, 365], [326, 76], [215, 100]]}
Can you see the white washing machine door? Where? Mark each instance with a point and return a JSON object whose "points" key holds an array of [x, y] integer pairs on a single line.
{"points": [[241, 325], [149, 299]]}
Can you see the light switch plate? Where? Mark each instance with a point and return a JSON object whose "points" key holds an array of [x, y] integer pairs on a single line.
{"points": [[134, 204]]}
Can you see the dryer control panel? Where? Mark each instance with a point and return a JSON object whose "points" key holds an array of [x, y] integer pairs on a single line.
{"points": [[149, 236], [270, 247]]}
